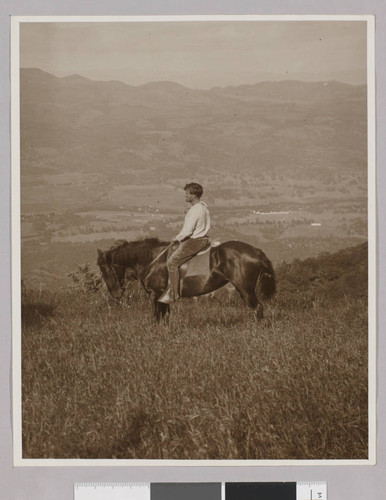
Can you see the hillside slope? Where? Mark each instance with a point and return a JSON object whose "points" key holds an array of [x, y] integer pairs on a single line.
{"points": [[335, 275]]}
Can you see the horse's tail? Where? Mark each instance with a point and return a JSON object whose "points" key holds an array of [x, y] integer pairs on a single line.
{"points": [[266, 281]]}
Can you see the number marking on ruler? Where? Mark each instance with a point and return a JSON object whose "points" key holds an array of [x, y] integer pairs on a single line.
{"points": [[311, 491]]}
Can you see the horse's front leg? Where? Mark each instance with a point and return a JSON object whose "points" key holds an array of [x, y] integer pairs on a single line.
{"points": [[161, 311]]}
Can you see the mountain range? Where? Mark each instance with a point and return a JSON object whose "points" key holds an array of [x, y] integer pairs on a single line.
{"points": [[161, 131]]}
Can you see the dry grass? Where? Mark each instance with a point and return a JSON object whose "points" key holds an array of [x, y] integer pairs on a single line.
{"points": [[102, 381]]}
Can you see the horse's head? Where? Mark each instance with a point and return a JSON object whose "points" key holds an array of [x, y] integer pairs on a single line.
{"points": [[109, 274]]}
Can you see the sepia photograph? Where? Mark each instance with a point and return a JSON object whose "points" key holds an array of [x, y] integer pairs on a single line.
{"points": [[193, 216]]}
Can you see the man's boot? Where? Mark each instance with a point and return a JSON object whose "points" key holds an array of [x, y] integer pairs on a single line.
{"points": [[171, 294]]}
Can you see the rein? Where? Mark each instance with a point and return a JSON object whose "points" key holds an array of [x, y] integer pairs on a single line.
{"points": [[160, 254], [145, 272]]}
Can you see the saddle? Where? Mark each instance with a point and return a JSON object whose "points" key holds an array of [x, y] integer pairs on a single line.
{"points": [[199, 264]]}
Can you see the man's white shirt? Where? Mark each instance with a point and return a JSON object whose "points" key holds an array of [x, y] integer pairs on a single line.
{"points": [[197, 222]]}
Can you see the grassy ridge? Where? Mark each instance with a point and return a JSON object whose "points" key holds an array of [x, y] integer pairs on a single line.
{"points": [[101, 381]]}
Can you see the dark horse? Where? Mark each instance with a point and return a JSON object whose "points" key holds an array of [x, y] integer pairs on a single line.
{"points": [[241, 264]]}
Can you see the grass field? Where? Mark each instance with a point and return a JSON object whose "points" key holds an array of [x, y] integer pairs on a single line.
{"points": [[100, 380]]}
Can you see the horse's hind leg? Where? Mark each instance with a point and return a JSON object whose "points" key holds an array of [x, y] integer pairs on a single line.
{"points": [[259, 313], [250, 299]]}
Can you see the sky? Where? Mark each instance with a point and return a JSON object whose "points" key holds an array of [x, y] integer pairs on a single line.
{"points": [[198, 54]]}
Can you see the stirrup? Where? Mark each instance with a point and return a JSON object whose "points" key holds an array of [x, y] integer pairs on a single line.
{"points": [[167, 297]]}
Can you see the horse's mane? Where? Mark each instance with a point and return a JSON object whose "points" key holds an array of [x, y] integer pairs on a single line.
{"points": [[139, 251], [146, 242]]}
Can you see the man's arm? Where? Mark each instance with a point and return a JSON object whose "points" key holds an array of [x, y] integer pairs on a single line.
{"points": [[189, 224]]}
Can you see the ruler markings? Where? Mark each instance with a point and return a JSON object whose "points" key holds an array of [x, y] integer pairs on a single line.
{"points": [[112, 491]]}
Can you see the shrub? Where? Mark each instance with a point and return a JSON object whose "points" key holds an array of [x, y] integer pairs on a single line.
{"points": [[86, 280]]}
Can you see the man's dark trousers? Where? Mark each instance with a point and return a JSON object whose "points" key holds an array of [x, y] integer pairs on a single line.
{"points": [[186, 249]]}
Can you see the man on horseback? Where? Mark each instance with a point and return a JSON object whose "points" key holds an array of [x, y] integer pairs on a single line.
{"points": [[192, 238]]}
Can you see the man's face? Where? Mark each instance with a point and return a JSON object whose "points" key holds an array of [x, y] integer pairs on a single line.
{"points": [[189, 197]]}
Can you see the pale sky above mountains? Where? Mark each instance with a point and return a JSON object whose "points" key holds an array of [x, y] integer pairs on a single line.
{"points": [[199, 54]]}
